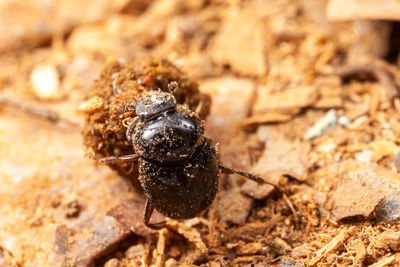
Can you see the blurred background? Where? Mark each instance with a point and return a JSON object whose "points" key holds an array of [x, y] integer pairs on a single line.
{"points": [[304, 92]]}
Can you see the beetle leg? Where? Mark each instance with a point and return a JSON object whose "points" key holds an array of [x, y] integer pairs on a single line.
{"points": [[125, 158], [148, 210], [255, 178]]}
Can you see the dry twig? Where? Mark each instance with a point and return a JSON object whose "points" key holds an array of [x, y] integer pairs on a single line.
{"points": [[190, 233], [384, 262], [333, 245]]}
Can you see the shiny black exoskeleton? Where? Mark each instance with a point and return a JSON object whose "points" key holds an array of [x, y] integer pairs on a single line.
{"points": [[178, 167]]}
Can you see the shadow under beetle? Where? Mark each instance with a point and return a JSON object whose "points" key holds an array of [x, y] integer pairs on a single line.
{"points": [[178, 167]]}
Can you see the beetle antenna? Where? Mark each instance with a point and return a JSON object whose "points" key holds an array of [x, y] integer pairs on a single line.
{"points": [[172, 86]]}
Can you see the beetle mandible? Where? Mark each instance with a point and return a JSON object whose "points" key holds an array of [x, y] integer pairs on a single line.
{"points": [[178, 167]]}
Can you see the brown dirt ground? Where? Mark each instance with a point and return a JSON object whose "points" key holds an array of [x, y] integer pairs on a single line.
{"points": [[305, 102]]}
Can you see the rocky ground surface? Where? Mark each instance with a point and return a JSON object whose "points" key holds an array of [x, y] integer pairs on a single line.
{"points": [[303, 93]]}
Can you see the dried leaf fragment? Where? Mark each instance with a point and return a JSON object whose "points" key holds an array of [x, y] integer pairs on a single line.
{"points": [[352, 199], [260, 191], [249, 248], [130, 216], [240, 44], [291, 100], [382, 148], [339, 10], [93, 104], [270, 117], [282, 155], [234, 206]]}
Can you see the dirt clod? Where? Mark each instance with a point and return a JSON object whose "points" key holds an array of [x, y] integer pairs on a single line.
{"points": [[111, 106], [73, 209]]}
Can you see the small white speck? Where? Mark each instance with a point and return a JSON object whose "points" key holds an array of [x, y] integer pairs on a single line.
{"points": [[45, 82]]}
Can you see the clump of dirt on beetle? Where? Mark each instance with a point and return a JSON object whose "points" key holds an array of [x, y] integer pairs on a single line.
{"points": [[111, 105]]}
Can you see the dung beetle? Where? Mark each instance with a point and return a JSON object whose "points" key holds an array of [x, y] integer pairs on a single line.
{"points": [[178, 167]]}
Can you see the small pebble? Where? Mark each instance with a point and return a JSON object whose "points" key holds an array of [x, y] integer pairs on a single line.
{"points": [[134, 251], [214, 264], [391, 239], [45, 82], [249, 248], [170, 263], [396, 161], [344, 121], [324, 124], [113, 263], [73, 209], [364, 156], [280, 244], [234, 207]]}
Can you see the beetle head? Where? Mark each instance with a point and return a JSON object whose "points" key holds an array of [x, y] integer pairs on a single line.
{"points": [[154, 103]]}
